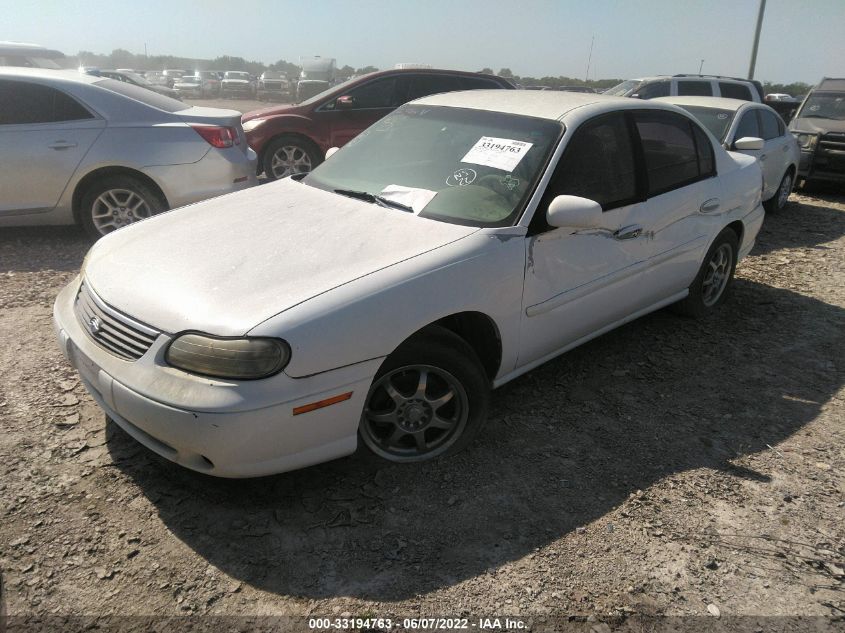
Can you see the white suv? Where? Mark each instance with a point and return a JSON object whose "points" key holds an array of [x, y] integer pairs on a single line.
{"points": [[688, 85]]}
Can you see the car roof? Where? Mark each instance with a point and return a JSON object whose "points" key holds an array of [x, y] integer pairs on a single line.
{"points": [[543, 104], [71, 76], [24, 48], [720, 103]]}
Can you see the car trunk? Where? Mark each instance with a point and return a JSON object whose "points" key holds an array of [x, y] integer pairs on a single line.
{"points": [[215, 116]]}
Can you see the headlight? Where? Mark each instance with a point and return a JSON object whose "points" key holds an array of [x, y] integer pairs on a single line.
{"points": [[252, 124], [238, 358], [806, 141]]}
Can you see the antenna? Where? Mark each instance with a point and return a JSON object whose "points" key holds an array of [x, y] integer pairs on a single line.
{"points": [[590, 58]]}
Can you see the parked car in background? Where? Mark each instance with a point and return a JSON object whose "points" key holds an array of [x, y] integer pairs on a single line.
{"points": [[237, 84], [819, 127], [585, 89], [104, 153], [29, 56], [273, 84], [294, 139], [688, 86], [134, 79], [157, 78], [754, 129], [778, 96], [200, 85], [172, 75], [280, 327], [317, 74]]}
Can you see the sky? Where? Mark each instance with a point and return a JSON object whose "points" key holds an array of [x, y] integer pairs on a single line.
{"points": [[801, 39]]}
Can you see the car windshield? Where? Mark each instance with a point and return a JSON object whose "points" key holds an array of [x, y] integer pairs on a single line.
{"points": [[147, 97], [824, 105], [622, 90], [715, 120], [237, 75], [456, 165]]}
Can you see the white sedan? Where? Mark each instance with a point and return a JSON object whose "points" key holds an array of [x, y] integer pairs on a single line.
{"points": [[754, 129], [456, 244]]}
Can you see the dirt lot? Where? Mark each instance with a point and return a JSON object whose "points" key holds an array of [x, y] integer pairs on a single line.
{"points": [[672, 467]]}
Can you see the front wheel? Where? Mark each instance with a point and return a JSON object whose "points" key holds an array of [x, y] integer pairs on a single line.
{"points": [[429, 398], [288, 155], [710, 286], [115, 202], [778, 201]]}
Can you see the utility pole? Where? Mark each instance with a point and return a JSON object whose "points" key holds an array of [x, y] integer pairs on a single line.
{"points": [[756, 39], [700, 66], [589, 59]]}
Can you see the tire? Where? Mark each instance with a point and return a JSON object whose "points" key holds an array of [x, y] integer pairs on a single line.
{"points": [[703, 296], [429, 398], [778, 201], [288, 154], [108, 204]]}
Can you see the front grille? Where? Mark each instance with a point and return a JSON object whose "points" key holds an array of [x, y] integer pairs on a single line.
{"points": [[833, 141], [116, 332]]}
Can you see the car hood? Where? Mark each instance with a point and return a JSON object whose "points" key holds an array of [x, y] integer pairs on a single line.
{"points": [[816, 126], [236, 81], [225, 265]]}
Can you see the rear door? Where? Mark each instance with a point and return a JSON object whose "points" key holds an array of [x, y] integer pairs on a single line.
{"points": [[776, 156], [44, 134]]}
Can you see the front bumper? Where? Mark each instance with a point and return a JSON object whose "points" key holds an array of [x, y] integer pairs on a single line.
{"points": [[222, 428], [822, 165]]}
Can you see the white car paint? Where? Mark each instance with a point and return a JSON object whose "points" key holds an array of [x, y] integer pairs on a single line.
{"points": [[345, 282], [779, 154]]}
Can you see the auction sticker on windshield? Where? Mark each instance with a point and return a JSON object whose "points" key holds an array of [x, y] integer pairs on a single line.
{"points": [[499, 153]]}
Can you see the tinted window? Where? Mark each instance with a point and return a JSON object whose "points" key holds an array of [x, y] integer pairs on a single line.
{"points": [[748, 126], [147, 97], [735, 91], [769, 124], [669, 148], [376, 94], [26, 103], [695, 88], [706, 160], [424, 85], [598, 164], [654, 90], [478, 83]]}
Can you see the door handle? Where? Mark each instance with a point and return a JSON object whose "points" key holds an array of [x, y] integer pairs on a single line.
{"points": [[628, 232], [709, 205], [61, 145]]}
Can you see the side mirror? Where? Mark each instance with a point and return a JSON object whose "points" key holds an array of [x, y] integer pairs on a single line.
{"points": [[346, 101], [749, 143], [574, 212], [331, 151]]}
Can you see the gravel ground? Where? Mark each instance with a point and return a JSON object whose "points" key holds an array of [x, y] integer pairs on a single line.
{"points": [[671, 467]]}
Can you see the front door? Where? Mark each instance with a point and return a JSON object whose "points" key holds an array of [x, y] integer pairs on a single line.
{"points": [[369, 103]]}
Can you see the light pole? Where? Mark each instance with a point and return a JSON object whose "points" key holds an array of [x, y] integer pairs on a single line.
{"points": [[756, 39], [700, 66]]}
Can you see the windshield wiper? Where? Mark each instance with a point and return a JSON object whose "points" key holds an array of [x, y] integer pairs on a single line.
{"points": [[366, 196]]}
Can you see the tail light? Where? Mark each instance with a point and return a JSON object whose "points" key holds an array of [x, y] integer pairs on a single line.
{"points": [[218, 136]]}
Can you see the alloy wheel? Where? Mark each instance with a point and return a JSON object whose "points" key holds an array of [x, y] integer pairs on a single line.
{"points": [[116, 208], [413, 413], [290, 159], [784, 191], [717, 274]]}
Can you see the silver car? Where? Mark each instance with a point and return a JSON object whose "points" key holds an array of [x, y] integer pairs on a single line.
{"points": [[103, 153]]}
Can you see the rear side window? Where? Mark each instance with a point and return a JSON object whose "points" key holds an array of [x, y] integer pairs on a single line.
{"points": [[706, 159], [748, 126], [478, 83], [769, 125], [23, 103], [654, 89], [147, 97], [670, 150], [598, 164], [735, 91], [695, 88]]}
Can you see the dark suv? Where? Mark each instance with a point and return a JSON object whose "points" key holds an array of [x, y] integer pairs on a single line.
{"points": [[819, 128], [294, 139]]}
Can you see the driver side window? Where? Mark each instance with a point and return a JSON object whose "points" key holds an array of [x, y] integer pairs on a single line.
{"points": [[376, 94]]}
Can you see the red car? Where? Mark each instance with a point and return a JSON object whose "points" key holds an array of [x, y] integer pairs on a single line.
{"points": [[294, 139]]}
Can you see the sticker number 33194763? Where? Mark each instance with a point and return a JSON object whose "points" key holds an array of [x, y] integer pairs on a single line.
{"points": [[499, 153]]}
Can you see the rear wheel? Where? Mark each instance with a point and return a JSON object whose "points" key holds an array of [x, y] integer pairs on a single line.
{"points": [[429, 398], [287, 155], [117, 201], [778, 201], [710, 286]]}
